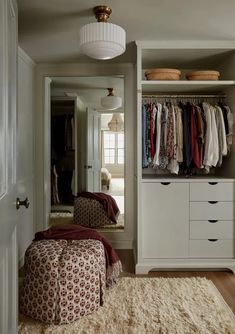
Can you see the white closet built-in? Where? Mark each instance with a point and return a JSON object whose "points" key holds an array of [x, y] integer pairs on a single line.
{"points": [[186, 222]]}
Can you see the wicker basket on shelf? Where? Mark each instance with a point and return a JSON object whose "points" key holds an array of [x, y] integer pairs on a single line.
{"points": [[163, 74], [203, 75]]}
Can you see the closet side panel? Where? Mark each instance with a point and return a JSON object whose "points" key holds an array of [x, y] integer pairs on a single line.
{"points": [[165, 220]]}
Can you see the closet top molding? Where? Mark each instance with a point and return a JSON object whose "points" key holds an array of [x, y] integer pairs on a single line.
{"points": [[186, 44]]}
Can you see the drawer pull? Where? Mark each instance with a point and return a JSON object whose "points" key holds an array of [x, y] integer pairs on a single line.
{"points": [[212, 202], [212, 221], [213, 183], [165, 183], [212, 240]]}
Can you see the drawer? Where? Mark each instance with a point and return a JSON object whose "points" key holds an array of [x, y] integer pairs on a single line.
{"points": [[214, 229], [213, 210], [211, 191], [211, 249]]}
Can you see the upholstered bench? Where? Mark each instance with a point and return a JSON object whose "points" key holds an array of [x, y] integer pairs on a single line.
{"points": [[64, 279]]}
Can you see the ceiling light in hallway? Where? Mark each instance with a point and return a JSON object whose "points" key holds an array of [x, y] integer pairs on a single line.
{"points": [[102, 40]]}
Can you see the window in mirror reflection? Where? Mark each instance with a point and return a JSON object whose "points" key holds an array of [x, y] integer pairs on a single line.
{"points": [[113, 148]]}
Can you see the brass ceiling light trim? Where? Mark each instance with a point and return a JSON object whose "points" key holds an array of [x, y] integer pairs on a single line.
{"points": [[111, 93], [102, 13]]}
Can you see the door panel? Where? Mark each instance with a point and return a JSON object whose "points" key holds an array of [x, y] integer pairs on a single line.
{"points": [[25, 150], [93, 165], [3, 109], [165, 217], [8, 235]]}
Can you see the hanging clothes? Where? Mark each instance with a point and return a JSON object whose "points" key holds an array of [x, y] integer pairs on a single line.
{"points": [[173, 165], [157, 135], [230, 127], [201, 131], [179, 134], [144, 138], [163, 139], [194, 141], [185, 137]]}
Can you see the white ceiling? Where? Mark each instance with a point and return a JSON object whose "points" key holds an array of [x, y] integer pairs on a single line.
{"points": [[48, 30], [89, 89]]}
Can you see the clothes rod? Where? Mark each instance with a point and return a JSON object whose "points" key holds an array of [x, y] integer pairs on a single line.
{"points": [[181, 96]]}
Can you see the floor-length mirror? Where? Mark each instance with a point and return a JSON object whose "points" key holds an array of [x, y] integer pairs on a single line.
{"points": [[87, 143]]}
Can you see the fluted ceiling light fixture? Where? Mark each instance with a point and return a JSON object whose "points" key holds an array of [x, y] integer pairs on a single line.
{"points": [[116, 124], [102, 40], [111, 102]]}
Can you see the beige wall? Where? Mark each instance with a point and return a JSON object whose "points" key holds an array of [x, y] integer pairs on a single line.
{"points": [[123, 239]]}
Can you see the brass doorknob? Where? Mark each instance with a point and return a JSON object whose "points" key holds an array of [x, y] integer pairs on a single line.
{"points": [[20, 203]]}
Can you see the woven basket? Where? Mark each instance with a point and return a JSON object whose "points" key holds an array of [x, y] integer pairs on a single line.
{"points": [[203, 75], [163, 74]]}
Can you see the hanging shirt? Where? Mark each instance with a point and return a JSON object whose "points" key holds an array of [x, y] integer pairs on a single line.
{"points": [[224, 111], [201, 130], [173, 165], [179, 134], [221, 135], [208, 153], [170, 135], [194, 142], [158, 135], [163, 161], [153, 111], [230, 127], [215, 142], [144, 138], [148, 133], [186, 135]]}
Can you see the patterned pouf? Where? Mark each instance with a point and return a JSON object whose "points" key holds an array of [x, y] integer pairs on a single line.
{"points": [[63, 280], [90, 213]]}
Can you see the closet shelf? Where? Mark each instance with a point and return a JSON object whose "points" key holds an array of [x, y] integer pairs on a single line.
{"points": [[185, 86]]}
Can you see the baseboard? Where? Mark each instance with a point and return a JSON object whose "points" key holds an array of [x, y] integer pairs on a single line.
{"points": [[134, 255], [144, 266], [122, 244]]}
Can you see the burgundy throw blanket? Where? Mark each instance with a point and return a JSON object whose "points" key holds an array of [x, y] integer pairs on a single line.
{"points": [[76, 232], [108, 202]]}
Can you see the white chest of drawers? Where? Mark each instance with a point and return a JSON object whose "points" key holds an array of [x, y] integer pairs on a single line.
{"points": [[186, 223], [211, 220]]}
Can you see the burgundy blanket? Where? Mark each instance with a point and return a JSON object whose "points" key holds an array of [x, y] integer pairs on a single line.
{"points": [[76, 232], [108, 202]]}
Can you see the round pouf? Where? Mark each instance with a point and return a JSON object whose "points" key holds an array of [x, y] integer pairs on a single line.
{"points": [[64, 280]]}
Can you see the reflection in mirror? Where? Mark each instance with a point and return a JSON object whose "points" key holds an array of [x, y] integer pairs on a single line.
{"points": [[87, 146]]}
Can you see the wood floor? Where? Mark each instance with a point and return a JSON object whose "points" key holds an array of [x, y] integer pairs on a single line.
{"points": [[224, 281]]}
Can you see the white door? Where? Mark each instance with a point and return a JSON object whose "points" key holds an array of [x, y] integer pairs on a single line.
{"points": [[47, 154], [8, 212], [25, 152], [93, 161], [165, 220]]}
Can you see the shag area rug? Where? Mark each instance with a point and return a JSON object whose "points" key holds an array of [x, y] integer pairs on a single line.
{"points": [[151, 305]]}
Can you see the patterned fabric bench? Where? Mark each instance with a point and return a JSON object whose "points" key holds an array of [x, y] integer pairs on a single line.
{"points": [[64, 280], [90, 213]]}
